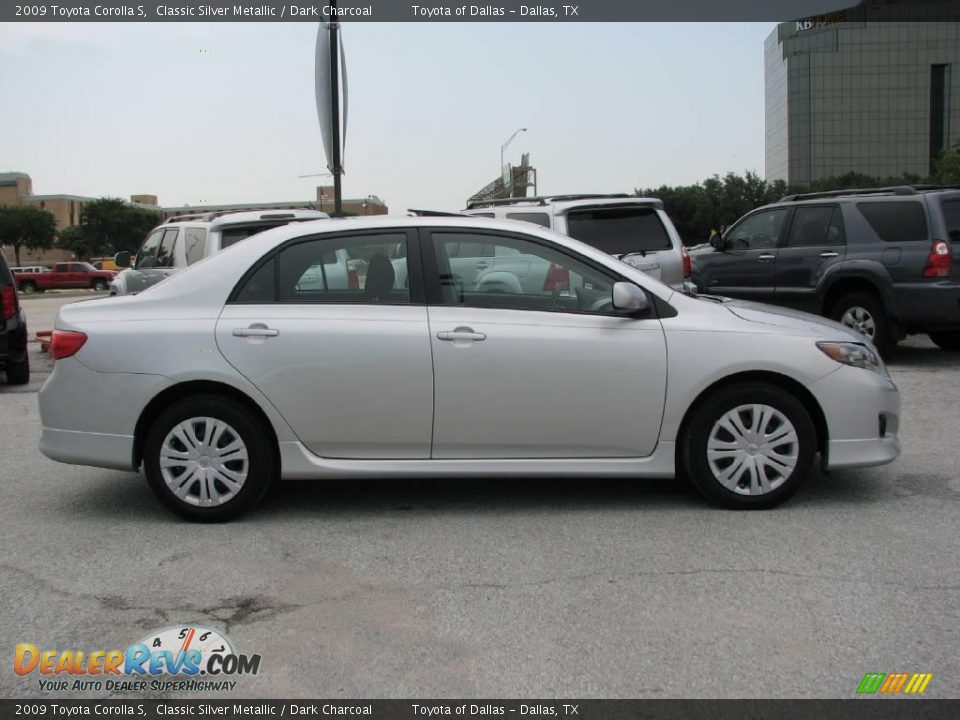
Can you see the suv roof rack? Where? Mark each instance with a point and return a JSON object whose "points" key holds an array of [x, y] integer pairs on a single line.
{"points": [[542, 199], [184, 218], [433, 213], [892, 190]]}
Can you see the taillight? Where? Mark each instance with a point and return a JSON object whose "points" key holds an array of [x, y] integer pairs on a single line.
{"points": [[687, 265], [938, 261], [558, 278], [8, 302], [353, 279], [65, 343]]}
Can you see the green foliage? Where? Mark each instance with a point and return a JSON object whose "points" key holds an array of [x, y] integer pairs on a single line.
{"points": [[27, 226], [78, 240], [948, 167], [111, 225]]}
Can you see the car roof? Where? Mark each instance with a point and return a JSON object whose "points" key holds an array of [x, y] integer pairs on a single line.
{"points": [[897, 191]]}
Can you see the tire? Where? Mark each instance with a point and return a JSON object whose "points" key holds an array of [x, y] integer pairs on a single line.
{"points": [[238, 424], [948, 340], [19, 373], [28, 288], [99, 285], [751, 485], [863, 312]]}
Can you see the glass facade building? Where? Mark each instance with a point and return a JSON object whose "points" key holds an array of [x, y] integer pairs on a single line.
{"points": [[880, 98]]}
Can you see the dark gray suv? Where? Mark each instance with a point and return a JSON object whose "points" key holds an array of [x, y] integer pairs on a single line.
{"points": [[884, 261]]}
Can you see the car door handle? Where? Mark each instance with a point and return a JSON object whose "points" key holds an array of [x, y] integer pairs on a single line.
{"points": [[253, 331], [829, 254], [482, 265], [462, 334], [765, 258]]}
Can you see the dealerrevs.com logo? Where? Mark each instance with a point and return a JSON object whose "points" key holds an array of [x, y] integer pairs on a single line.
{"points": [[183, 658]]}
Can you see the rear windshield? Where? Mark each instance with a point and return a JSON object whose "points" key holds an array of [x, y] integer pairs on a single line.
{"points": [[619, 230], [951, 217], [896, 222]]}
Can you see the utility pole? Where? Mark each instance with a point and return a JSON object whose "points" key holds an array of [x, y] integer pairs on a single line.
{"points": [[336, 166]]}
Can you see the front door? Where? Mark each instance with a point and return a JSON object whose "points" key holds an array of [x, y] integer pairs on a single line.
{"points": [[544, 370]]}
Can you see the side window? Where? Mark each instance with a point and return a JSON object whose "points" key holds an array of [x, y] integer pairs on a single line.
{"points": [[811, 227], [951, 218], [353, 269], [896, 221], [836, 233], [147, 257], [536, 218], [195, 244], [165, 253], [522, 275], [759, 231]]}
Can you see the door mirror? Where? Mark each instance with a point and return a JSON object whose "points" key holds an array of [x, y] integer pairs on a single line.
{"points": [[122, 259], [628, 299]]}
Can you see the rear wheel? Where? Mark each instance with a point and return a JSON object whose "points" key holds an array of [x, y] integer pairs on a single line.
{"points": [[863, 312], [946, 340], [19, 373], [208, 459], [100, 284], [28, 288], [748, 446]]}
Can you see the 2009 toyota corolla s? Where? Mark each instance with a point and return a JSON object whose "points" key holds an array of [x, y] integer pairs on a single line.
{"points": [[451, 346]]}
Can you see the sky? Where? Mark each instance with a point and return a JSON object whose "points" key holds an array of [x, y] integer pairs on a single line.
{"points": [[225, 112]]}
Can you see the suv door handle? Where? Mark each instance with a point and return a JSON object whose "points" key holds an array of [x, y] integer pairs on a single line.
{"points": [[829, 254], [462, 334], [255, 331], [482, 265], [765, 258]]}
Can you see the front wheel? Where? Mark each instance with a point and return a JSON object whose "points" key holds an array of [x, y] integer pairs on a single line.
{"points": [[207, 459], [949, 341], [748, 446]]}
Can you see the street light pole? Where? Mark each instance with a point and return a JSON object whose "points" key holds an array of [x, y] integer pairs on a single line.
{"points": [[336, 168]]}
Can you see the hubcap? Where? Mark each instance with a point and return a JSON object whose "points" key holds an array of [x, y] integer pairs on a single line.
{"points": [[860, 319], [752, 449], [204, 461]]}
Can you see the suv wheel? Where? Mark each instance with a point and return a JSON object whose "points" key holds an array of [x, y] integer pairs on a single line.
{"points": [[863, 312], [946, 340], [748, 446], [19, 373], [208, 459]]}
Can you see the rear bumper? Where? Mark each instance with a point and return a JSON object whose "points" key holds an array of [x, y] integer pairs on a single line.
{"points": [[87, 448], [929, 306]]}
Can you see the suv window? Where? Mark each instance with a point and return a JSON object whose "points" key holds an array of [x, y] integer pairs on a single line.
{"points": [[165, 253], [147, 257], [537, 218], [951, 217], [896, 222], [619, 230], [195, 243], [816, 226], [759, 231], [232, 235]]}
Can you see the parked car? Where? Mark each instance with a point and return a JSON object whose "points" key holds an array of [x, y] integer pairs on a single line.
{"points": [[64, 276], [13, 330], [233, 373], [636, 230], [185, 239], [106, 264], [882, 261]]}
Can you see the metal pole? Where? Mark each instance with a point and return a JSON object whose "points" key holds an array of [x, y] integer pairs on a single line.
{"points": [[335, 111]]}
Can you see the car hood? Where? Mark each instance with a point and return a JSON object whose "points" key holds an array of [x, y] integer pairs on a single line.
{"points": [[795, 320]]}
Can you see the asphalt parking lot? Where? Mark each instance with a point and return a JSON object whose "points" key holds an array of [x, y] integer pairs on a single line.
{"points": [[507, 588]]}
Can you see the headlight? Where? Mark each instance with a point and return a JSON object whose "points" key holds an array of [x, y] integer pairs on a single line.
{"points": [[853, 354]]}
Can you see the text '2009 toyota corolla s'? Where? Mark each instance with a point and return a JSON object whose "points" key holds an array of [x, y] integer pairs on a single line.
{"points": [[404, 347]]}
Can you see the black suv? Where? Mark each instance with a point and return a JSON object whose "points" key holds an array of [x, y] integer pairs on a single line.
{"points": [[13, 330], [884, 261]]}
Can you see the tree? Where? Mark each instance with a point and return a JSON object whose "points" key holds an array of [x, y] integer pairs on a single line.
{"points": [[78, 240], [27, 226], [112, 225], [948, 167]]}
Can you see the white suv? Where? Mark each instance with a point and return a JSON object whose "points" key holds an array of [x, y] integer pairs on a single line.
{"points": [[633, 229], [185, 239]]}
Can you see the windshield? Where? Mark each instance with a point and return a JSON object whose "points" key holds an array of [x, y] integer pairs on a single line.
{"points": [[619, 230]]}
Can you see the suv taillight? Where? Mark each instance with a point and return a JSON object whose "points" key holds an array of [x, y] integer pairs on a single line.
{"points": [[938, 261], [687, 265], [65, 343], [8, 302]]}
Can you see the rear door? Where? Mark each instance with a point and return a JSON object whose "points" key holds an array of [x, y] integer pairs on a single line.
{"points": [[815, 242]]}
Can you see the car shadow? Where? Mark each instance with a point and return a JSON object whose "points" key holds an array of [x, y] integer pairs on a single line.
{"points": [[914, 354]]}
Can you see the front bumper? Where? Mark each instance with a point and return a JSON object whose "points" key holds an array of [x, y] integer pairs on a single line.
{"points": [[862, 410]]}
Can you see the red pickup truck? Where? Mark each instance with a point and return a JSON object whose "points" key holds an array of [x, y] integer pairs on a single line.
{"points": [[65, 275]]}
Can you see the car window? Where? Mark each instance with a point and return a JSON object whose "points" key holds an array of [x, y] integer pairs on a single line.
{"points": [[147, 257], [195, 243], [897, 221], [951, 217], [758, 231], [331, 270], [522, 275], [167, 245], [619, 230], [816, 226], [537, 218]]}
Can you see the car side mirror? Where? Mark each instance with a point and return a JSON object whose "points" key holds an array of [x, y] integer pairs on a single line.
{"points": [[628, 299], [122, 259]]}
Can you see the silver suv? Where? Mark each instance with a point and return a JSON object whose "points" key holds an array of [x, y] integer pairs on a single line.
{"points": [[185, 239], [633, 229]]}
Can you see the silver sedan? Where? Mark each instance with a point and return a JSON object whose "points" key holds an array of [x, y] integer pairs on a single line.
{"points": [[255, 366]]}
